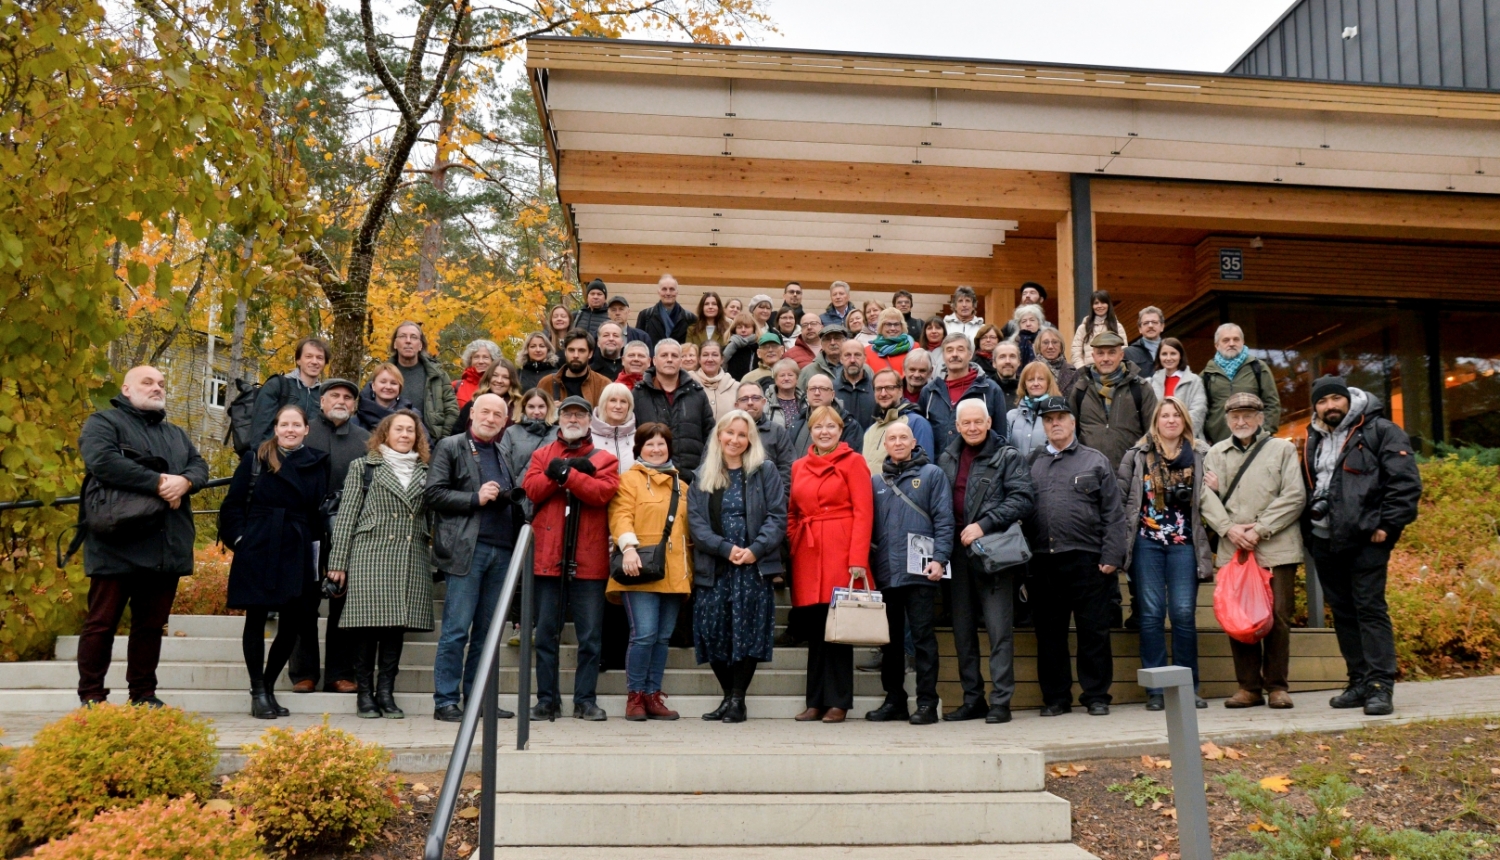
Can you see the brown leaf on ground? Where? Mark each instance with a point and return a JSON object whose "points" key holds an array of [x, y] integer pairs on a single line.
{"points": [[1212, 751], [469, 813], [1170, 813], [1324, 747], [1233, 754], [465, 850], [1356, 757], [1066, 771], [1281, 783], [1264, 827]]}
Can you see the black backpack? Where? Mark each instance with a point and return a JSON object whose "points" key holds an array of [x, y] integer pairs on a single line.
{"points": [[242, 417]]}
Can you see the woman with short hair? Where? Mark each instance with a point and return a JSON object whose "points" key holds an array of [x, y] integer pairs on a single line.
{"points": [[739, 352], [613, 424], [1027, 322], [477, 359], [382, 553], [986, 341], [637, 521], [934, 332], [854, 321], [785, 324], [737, 519], [891, 345], [1051, 349]]}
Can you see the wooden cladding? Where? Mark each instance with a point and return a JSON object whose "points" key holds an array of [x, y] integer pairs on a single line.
{"points": [[1353, 269]]}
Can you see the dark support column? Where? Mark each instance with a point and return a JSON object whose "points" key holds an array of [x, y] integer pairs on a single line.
{"points": [[1083, 247], [1432, 323]]}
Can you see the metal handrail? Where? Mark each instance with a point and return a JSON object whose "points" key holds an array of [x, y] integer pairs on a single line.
{"points": [[60, 501], [488, 692]]}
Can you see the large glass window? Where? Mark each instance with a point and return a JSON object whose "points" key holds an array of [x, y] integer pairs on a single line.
{"points": [[1471, 386]]}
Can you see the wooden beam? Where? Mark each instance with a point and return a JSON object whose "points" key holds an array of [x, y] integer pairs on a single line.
{"points": [[1067, 319], [771, 269], [640, 179], [1299, 210]]}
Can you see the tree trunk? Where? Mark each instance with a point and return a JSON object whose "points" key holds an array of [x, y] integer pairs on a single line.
{"points": [[432, 233], [237, 341]]}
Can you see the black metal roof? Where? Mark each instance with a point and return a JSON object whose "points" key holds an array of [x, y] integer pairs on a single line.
{"points": [[1428, 43]]}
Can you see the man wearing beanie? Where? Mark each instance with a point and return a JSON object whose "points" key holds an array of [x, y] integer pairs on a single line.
{"points": [[593, 314], [1362, 488]]}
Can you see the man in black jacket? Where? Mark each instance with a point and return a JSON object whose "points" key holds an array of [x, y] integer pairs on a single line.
{"points": [[609, 358], [1142, 350], [333, 431], [593, 314], [668, 396], [133, 447], [1364, 487], [991, 491], [666, 318], [297, 386], [820, 392], [1077, 536], [776, 439]]}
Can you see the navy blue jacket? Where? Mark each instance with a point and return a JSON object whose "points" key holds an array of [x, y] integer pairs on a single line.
{"points": [[940, 411], [928, 488]]}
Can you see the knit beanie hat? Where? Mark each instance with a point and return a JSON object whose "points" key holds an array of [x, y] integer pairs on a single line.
{"points": [[1326, 385], [597, 284]]}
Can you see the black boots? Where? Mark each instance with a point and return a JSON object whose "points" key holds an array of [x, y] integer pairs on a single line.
{"points": [[735, 712], [261, 705], [275, 705], [1352, 697], [718, 713], [385, 682], [364, 659]]}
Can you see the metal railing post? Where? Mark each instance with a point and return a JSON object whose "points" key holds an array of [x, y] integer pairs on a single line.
{"points": [[487, 758], [1314, 591], [1176, 683], [528, 620]]}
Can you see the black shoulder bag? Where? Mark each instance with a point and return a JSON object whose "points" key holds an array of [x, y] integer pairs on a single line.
{"points": [[653, 558]]}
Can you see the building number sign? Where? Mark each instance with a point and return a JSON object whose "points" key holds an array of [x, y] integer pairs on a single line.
{"points": [[1231, 264]]}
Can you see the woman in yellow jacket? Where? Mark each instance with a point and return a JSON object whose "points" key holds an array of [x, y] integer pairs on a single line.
{"points": [[637, 518]]}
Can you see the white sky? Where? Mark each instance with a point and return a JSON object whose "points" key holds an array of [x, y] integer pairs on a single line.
{"points": [[1198, 35]]}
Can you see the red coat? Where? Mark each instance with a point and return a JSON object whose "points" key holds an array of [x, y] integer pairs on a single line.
{"points": [[465, 386], [594, 491], [878, 363], [829, 519]]}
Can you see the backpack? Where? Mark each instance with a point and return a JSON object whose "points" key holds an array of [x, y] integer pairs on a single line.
{"points": [[1135, 394], [241, 414]]}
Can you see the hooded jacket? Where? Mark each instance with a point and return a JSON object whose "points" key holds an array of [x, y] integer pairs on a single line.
{"points": [[371, 413], [107, 436], [549, 500], [1024, 429], [533, 371], [518, 443], [1365, 468], [439, 408], [928, 489], [941, 412], [1253, 376], [687, 412], [638, 516], [905, 412]]}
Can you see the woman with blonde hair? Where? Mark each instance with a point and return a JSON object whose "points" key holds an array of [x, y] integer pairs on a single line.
{"points": [[739, 351], [537, 359], [1051, 348], [737, 518], [559, 323], [1161, 480], [829, 520], [381, 553], [613, 424], [1024, 430], [891, 345]]}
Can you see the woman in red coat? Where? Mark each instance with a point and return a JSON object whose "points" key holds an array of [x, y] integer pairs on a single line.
{"points": [[829, 519]]}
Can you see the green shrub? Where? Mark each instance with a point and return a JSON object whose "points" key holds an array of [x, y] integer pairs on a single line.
{"points": [[160, 830], [104, 757], [1327, 834], [319, 788]]}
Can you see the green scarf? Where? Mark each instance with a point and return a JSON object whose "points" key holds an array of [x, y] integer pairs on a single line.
{"points": [[885, 347], [1104, 386]]}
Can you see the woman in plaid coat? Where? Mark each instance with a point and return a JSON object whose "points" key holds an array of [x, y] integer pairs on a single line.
{"points": [[381, 550]]}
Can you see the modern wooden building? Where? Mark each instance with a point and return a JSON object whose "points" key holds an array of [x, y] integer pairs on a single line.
{"points": [[1347, 224]]}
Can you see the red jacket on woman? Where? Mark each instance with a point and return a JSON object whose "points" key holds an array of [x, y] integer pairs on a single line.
{"points": [[593, 491], [829, 519], [465, 388]]}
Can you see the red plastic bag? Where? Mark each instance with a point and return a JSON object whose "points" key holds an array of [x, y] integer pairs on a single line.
{"points": [[1242, 599]]}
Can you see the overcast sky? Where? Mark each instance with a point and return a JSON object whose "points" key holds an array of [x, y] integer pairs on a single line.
{"points": [[1204, 35]]}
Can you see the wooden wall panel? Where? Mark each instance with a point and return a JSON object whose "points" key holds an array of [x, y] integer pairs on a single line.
{"points": [[1355, 269]]}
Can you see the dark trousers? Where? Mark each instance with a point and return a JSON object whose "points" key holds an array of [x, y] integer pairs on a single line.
{"points": [[377, 657], [830, 666], [1262, 666], [583, 599], [150, 599], [1354, 586], [979, 597], [338, 643], [1069, 585], [910, 608], [263, 664]]}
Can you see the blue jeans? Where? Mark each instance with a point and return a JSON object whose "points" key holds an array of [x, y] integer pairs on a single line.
{"points": [[1166, 582], [585, 602], [467, 610], [653, 617]]}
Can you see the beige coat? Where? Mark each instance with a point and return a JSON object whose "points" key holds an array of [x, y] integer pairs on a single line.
{"points": [[637, 516], [1271, 496], [722, 391]]}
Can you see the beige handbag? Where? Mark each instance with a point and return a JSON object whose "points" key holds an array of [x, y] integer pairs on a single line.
{"points": [[857, 617]]}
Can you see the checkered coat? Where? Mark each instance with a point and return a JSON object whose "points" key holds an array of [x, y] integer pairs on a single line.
{"points": [[384, 547]]}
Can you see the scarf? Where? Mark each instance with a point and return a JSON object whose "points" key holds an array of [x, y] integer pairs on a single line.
{"points": [[1163, 473], [403, 466], [1024, 340], [736, 343], [1104, 386], [1231, 366], [628, 379], [664, 467], [957, 388], [885, 347], [1030, 403]]}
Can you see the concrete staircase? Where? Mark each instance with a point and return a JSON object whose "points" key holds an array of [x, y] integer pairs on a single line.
{"points": [[785, 802]]}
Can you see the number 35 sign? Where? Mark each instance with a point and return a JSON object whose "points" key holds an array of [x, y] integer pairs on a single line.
{"points": [[1231, 264]]}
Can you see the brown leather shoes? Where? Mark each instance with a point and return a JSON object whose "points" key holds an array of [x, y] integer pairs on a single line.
{"points": [[809, 715], [345, 687], [1280, 700], [1245, 699], [304, 686], [835, 715]]}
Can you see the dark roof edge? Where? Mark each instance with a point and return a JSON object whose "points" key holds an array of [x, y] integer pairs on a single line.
{"points": [[1262, 37]]}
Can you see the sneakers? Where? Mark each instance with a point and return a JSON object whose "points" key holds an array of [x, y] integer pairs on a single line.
{"points": [[1099, 709], [148, 702], [1378, 700], [1352, 697]]}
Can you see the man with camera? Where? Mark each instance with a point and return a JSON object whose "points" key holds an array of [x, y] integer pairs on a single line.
{"points": [[570, 484], [1363, 482], [140, 462], [471, 492]]}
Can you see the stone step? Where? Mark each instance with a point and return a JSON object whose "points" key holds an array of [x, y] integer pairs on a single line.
{"points": [[414, 704], [800, 770], [929, 818], [231, 626], [1025, 851]]}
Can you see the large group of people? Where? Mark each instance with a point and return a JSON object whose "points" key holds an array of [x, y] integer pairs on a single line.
{"points": [[683, 468]]}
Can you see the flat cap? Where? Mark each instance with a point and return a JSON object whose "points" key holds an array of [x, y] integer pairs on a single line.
{"points": [[338, 382], [1244, 400], [575, 402], [1107, 339], [836, 328]]}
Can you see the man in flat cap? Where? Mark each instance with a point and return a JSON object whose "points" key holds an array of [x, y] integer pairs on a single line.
{"points": [[1255, 501]]}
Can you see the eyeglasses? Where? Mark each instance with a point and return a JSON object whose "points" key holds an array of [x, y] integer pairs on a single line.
{"points": [[819, 388], [887, 388], [751, 398]]}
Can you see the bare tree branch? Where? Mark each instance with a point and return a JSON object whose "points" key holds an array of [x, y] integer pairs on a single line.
{"points": [[377, 62]]}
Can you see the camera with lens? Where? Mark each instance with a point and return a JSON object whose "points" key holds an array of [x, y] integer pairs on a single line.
{"points": [[1320, 507], [1180, 496]]}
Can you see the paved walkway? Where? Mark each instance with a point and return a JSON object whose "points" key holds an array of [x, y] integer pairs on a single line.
{"points": [[421, 744]]}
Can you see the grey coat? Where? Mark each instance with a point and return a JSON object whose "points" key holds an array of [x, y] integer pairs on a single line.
{"points": [[343, 443], [1132, 490], [381, 540], [452, 493], [765, 520], [518, 443]]}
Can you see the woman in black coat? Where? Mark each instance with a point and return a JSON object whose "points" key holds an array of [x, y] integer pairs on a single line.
{"points": [[271, 520]]}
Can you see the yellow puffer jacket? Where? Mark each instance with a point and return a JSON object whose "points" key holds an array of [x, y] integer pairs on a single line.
{"points": [[637, 516]]}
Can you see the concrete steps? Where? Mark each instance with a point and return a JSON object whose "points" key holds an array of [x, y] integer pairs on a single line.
{"points": [[1032, 851]]}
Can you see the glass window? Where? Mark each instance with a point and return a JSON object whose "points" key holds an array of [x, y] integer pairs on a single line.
{"points": [[216, 391], [1471, 386]]}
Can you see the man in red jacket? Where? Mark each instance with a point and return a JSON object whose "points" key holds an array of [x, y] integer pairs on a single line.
{"points": [[570, 486]]}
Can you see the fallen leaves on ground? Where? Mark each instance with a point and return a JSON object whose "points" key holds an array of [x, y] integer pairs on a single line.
{"points": [[1148, 762], [1263, 826], [469, 813], [1280, 783], [1067, 770], [1214, 752]]}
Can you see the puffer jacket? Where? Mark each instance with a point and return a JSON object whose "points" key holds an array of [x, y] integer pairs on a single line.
{"points": [[638, 516], [941, 412], [1374, 483], [1115, 430], [518, 443], [1271, 495], [1253, 376], [594, 493], [688, 413], [765, 522], [589, 319], [1132, 489], [1024, 429], [619, 441], [927, 488], [1190, 391]]}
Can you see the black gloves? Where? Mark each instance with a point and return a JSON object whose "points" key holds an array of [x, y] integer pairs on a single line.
{"points": [[557, 470], [582, 464]]}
